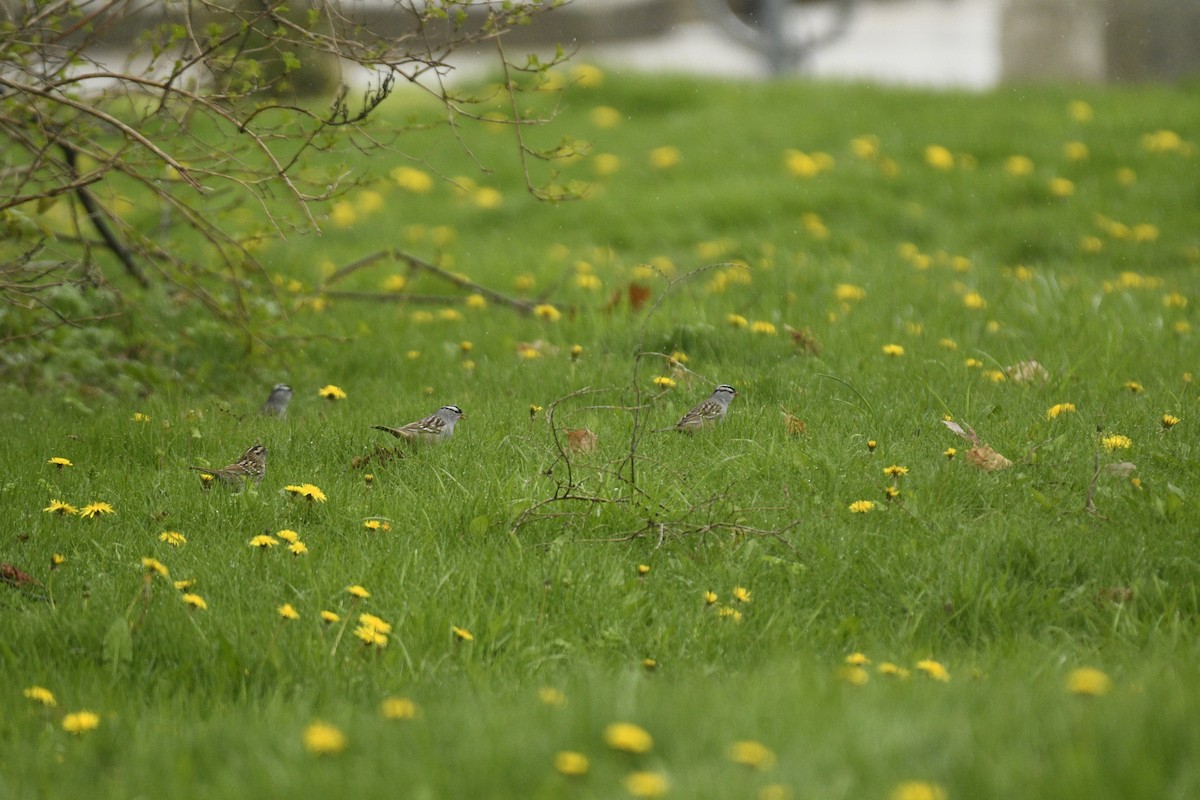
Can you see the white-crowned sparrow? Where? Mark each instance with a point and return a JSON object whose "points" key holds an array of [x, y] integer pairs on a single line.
{"points": [[252, 465], [710, 412], [277, 401], [436, 427]]}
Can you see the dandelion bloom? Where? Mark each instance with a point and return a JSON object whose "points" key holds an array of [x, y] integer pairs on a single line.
{"points": [[155, 566], [576, 351], [950, 453], [862, 506], [323, 739], [331, 392], [737, 320], [933, 669], [1075, 151], [184, 584], [92, 510], [1061, 187], [628, 737], [849, 293], [1018, 166], [1080, 110], [375, 525], [289, 536], [412, 180], [358, 592], [476, 301], [398, 708], [570, 763], [298, 548], [307, 491], [1134, 387], [1116, 442], [173, 538], [57, 560], [857, 660], [462, 634], [855, 676], [195, 601], [330, 618], [140, 417], [375, 623], [893, 350], [81, 722], [939, 157], [605, 117], [892, 670], [643, 569], [649, 664], [917, 790], [761, 326], [646, 784], [741, 594], [664, 382], [1058, 409], [288, 612], [895, 471], [1169, 421], [1089, 681], [665, 157], [729, 613], [263, 541], [370, 636], [750, 753], [60, 462], [40, 695], [974, 301], [552, 697], [547, 312], [871, 445], [60, 508]]}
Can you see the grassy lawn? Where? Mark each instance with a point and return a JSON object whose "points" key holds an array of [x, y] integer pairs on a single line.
{"points": [[782, 614]]}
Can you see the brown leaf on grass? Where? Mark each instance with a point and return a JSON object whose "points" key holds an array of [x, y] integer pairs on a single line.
{"points": [[987, 459], [793, 424], [1027, 372], [637, 294], [581, 440], [15, 577], [1115, 594], [981, 454], [804, 340]]}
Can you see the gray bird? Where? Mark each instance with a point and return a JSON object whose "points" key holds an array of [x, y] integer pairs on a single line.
{"points": [[277, 402], [437, 427], [710, 412]]}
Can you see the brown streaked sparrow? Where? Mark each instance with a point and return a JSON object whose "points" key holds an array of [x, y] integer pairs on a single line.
{"points": [[437, 427], [710, 412], [252, 465]]}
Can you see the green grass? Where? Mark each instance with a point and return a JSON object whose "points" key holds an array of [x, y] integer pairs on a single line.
{"points": [[1002, 577]]}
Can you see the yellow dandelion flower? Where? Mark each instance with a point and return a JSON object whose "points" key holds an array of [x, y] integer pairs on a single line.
{"points": [[605, 164], [1018, 166], [1058, 409], [855, 676], [710, 598], [576, 351], [462, 634], [664, 382], [665, 157], [263, 541], [865, 147], [153, 565], [933, 669], [289, 536], [184, 584], [643, 569], [1075, 151], [862, 506], [973, 363], [140, 417], [801, 164], [287, 612], [375, 525], [1088, 681], [374, 623], [398, 708], [1061, 187], [947, 344], [895, 471], [194, 601], [646, 784], [39, 695], [358, 592], [298, 548], [173, 538], [57, 560], [80, 722], [371, 637], [760, 326], [725, 612], [394, 283], [487, 198], [891, 492], [588, 282], [737, 320], [1134, 387], [974, 301], [570, 763], [60, 508], [330, 618], [753, 754], [307, 491], [412, 180], [917, 790], [550, 696], [60, 462], [871, 445], [475, 301], [741, 594], [950, 453], [628, 737], [1080, 111], [1168, 421], [331, 392], [892, 670], [93, 510], [547, 312], [893, 350], [939, 157], [605, 117], [857, 660], [323, 739], [1116, 442]]}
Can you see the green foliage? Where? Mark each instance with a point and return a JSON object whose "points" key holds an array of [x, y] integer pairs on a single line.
{"points": [[799, 280]]}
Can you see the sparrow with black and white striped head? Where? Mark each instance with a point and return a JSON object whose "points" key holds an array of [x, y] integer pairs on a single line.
{"points": [[251, 466], [437, 427], [710, 412], [277, 401]]}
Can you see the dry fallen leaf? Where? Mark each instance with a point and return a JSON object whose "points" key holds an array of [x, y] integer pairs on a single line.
{"points": [[581, 440], [1027, 372], [793, 424], [15, 577]]}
